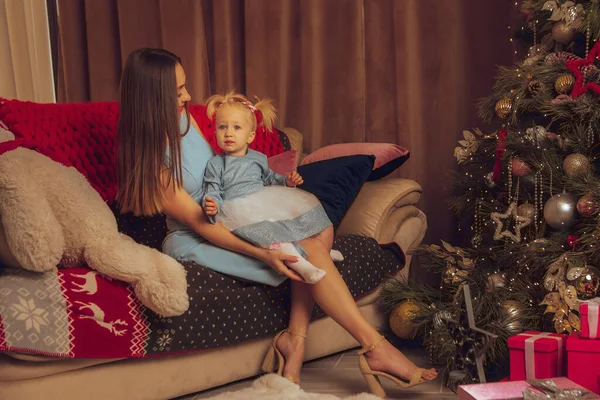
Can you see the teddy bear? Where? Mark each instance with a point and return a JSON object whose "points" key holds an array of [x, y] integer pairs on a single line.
{"points": [[51, 215]]}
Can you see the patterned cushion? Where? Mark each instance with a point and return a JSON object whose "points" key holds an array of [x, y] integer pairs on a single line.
{"points": [[78, 313]]}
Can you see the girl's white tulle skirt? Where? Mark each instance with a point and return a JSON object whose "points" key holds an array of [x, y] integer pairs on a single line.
{"points": [[275, 214]]}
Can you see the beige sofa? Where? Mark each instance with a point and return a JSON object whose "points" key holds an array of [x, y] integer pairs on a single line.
{"points": [[385, 210]]}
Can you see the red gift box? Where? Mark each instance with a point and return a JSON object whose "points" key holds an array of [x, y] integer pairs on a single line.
{"points": [[536, 355], [584, 362], [590, 321], [508, 390]]}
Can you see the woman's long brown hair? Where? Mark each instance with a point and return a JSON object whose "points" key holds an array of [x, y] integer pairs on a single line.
{"points": [[148, 125]]}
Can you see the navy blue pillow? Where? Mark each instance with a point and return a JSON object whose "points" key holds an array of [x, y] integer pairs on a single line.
{"points": [[336, 182], [388, 167]]}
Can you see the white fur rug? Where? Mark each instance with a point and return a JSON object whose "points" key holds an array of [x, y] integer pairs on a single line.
{"points": [[274, 387]]}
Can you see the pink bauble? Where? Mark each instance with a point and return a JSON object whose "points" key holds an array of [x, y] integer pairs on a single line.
{"points": [[520, 167]]}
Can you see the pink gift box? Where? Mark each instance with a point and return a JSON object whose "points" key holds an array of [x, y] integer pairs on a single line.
{"points": [[590, 322], [507, 390], [584, 362], [533, 356]]}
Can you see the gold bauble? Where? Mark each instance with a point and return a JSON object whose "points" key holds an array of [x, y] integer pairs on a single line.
{"points": [[402, 320], [526, 210], [563, 33], [495, 281], [564, 83], [576, 165], [587, 284], [535, 86], [511, 312], [503, 107]]}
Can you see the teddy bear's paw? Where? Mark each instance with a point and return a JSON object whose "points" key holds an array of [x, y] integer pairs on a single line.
{"points": [[165, 291]]}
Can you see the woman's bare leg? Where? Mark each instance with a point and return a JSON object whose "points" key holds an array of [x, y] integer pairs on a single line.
{"points": [[332, 294], [326, 237], [291, 346]]}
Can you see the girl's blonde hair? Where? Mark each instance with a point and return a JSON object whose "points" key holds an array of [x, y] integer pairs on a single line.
{"points": [[264, 106]]}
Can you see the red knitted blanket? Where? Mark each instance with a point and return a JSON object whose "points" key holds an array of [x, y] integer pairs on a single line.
{"points": [[83, 135]]}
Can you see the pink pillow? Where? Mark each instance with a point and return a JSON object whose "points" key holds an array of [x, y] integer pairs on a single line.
{"points": [[283, 163], [388, 157]]}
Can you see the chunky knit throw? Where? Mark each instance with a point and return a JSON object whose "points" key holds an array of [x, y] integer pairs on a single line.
{"points": [[83, 135]]}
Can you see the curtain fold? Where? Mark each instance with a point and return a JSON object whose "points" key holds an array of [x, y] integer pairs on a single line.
{"points": [[400, 71], [25, 55]]}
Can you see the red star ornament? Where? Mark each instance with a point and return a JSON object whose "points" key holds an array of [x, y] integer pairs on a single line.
{"points": [[578, 68]]}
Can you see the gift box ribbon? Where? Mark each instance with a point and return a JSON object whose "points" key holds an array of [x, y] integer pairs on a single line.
{"points": [[592, 316], [530, 353]]}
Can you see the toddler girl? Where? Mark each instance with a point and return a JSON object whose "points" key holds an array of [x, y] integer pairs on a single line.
{"points": [[250, 199]]}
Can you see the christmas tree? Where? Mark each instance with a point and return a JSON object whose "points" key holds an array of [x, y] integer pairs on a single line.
{"points": [[529, 191]]}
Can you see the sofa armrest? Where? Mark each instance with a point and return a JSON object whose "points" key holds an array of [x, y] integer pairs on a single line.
{"points": [[385, 210]]}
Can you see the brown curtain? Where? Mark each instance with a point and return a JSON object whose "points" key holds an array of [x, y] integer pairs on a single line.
{"points": [[400, 71]]}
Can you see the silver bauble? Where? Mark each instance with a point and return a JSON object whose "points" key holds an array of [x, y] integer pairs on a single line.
{"points": [[511, 312], [559, 210], [440, 319], [587, 284], [536, 134]]}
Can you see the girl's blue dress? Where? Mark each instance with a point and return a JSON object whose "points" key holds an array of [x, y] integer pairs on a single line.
{"points": [[182, 243]]}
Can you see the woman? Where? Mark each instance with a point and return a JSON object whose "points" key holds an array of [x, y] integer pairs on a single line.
{"points": [[161, 160]]}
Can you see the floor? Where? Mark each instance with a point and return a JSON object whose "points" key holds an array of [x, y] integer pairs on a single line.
{"points": [[338, 374]]}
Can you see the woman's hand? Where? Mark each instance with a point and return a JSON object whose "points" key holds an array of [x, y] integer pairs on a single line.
{"points": [[275, 259]]}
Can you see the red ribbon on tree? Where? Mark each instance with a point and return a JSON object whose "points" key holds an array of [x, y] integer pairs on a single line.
{"points": [[499, 154]]}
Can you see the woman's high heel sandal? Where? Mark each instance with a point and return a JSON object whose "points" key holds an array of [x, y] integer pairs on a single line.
{"points": [[372, 377], [274, 360]]}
